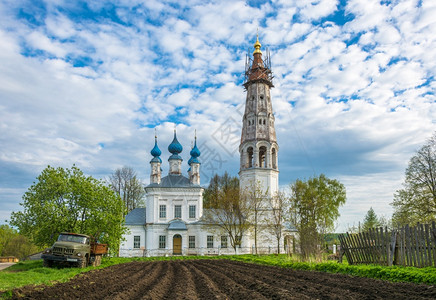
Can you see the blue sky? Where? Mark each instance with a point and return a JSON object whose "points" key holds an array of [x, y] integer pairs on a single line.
{"points": [[86, 83]]}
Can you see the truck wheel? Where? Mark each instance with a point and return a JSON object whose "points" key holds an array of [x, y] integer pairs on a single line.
{"points": [[81, 264], [47, 263]]}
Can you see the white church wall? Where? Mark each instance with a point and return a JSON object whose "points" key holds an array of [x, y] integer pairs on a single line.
{"points": [[267, 178], [171, 197], [127, 248]]}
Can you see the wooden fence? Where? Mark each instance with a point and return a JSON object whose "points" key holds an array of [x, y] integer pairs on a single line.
{"points": [[406, 246]]}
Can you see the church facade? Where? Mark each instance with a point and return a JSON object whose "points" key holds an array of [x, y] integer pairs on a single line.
{"points": [[171, 223]]}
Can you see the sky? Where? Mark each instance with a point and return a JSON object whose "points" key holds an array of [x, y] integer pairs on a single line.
{"points": [[89, 82]]}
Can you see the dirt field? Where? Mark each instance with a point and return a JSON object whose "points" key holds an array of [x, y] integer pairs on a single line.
{"points": [[220, 279]]}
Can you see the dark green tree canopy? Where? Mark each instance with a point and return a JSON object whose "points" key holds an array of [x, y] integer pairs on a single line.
{"points": [[371, 220], [67, 200], [219, 185], [314, 207], [416, 201], [14, 244]]}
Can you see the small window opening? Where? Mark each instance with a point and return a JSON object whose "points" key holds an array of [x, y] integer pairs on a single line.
{"points": [[250, 157]]}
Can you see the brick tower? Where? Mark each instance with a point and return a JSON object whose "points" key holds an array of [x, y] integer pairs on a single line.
{"points": [[258, 149]]}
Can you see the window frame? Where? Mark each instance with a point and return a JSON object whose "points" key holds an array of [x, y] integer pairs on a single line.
{"points": [[162, 242], [191, 242], [192, 211], [209, 240], [136, 241], [162, 211], [177, 211], [224, 241]]}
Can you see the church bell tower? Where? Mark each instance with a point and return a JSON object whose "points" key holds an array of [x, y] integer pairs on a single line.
{"points": [[258, 149]]}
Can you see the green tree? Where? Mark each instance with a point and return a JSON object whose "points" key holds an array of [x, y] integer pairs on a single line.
{"points": [[6, 235], [416, 201], [14, 244], [126, 184], [371, 220], [67, 200], [314, 206], [218, 186], [227, 210]]}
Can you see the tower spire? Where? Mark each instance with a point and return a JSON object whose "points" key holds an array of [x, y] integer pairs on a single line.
{"points": [[175, 159], [257, 45], [155, 175], [257, 68]]}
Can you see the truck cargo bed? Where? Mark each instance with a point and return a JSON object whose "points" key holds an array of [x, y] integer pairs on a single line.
{"points": [[98, 248]]}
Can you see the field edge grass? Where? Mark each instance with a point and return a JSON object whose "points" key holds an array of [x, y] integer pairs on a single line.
{"points": [[389, 273]]}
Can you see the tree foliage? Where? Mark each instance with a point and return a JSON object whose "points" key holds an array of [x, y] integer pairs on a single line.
{"points": [[66, 200], [14, 244], [218, 186], [227, 209], [126, 184], [416, 201], [314, 206], [371, 220]]}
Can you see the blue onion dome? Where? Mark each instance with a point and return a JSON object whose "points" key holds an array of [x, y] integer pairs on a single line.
{"points": [[175, 147], [155, 152], [195, 152]]}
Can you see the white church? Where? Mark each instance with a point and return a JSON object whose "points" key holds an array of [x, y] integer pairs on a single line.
{"points": [[171, 223]]}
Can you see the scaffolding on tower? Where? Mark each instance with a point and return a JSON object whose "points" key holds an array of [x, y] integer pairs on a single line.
{"points": [[260, 72]]}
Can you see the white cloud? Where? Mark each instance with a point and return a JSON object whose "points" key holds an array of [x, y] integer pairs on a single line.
{"points": [[351, 101]]}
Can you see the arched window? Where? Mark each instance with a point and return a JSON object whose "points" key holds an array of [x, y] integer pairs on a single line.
{"points": [[263, 121], [262, 157], [274, 158], [260, 122], [250, 157]]}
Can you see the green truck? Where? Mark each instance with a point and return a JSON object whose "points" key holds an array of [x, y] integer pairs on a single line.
{"points": [[74, 249]]}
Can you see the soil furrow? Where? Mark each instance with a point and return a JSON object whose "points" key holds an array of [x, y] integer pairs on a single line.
{"points": [[137, 287], [318, 283], [160, 288], [219, 279], [253, 283], [272, 283], [183, 285], [228, 284], [204, 285]]}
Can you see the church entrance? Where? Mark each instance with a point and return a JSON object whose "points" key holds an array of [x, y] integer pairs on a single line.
{"points": [[177, 244]]}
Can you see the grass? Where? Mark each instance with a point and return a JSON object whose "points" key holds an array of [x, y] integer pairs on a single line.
{"points": [[32, 272], [394, 273]]}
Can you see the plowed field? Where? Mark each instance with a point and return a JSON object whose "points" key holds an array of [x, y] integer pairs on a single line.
{"points": [[220, 279]]}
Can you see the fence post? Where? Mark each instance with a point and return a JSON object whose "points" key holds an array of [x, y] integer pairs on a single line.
{"points": [[392, 252], [433, 241]]}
